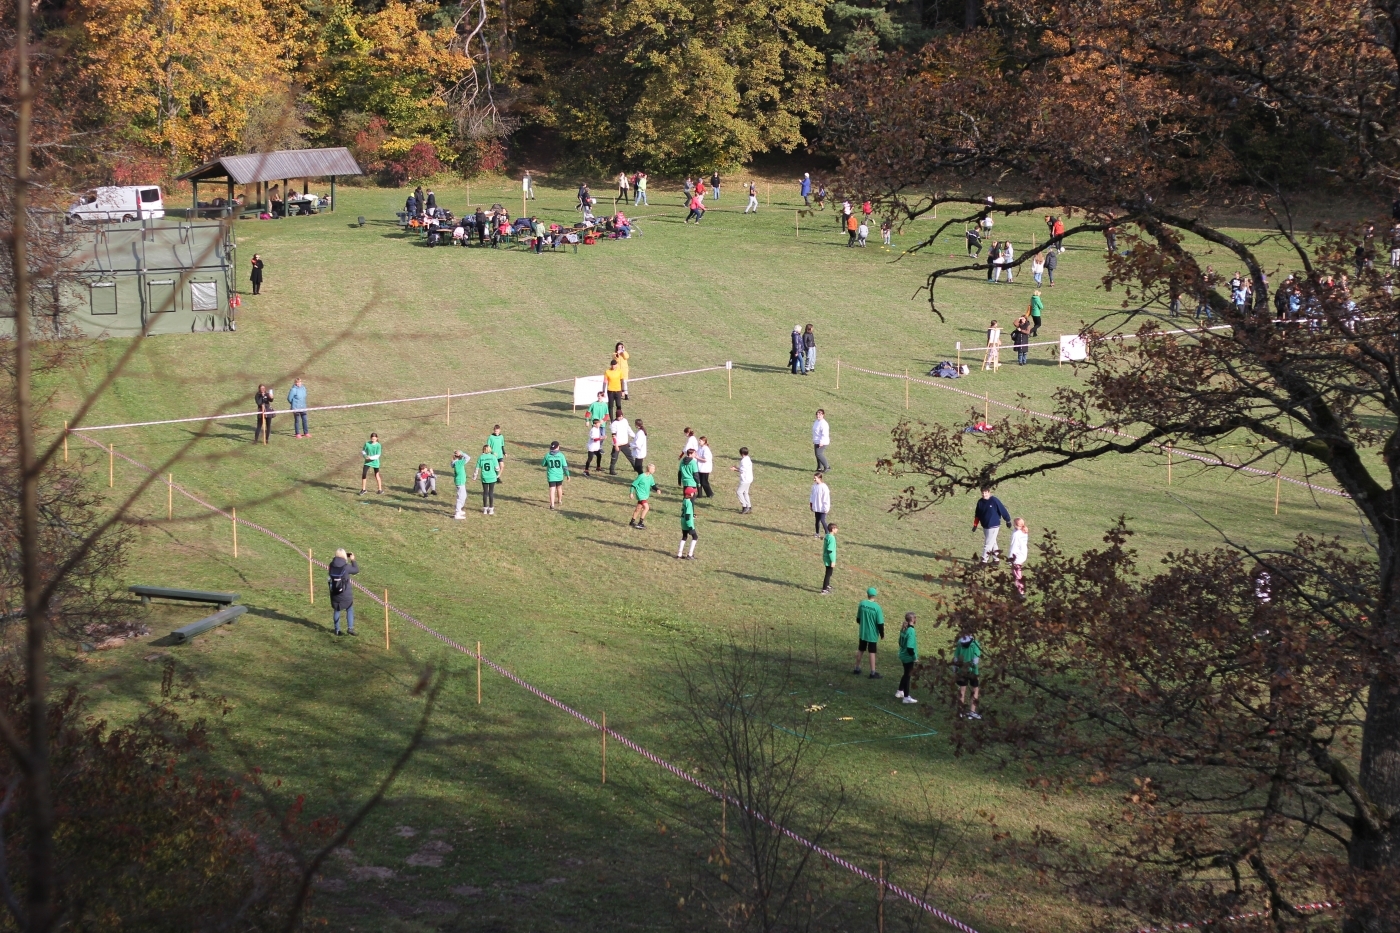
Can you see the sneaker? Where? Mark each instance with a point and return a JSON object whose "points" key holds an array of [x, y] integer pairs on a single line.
{"points": [[352, 632], [364, 491], [632, 523], [434, 492], [336, 633], [679, 557], [856, 672], [875, 675], [641, 524], [899, 694], [910, 700], [972, 715], [826, 591], [460, 515]]}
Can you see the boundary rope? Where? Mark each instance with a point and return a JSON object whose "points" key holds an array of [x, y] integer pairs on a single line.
{"points": [[391, 401], [645, 753], [1199, 458]]}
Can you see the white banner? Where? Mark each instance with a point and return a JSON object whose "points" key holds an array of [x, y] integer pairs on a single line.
{"points": [[1073, 348], [586, 389]]}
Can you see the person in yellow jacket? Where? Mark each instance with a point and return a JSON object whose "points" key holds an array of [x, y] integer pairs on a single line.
{"points": [[621, 355], [612, 384]]}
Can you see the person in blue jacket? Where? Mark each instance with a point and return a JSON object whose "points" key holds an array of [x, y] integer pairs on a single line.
{"points": [[990, 514], [807, 189], [296, 400]]}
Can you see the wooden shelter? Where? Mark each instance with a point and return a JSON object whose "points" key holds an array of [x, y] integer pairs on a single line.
{"points": [[285, 166]]}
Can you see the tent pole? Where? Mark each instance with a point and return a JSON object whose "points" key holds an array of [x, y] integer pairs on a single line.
{"points": [[332, 194], [286, 191], [194, 203]]}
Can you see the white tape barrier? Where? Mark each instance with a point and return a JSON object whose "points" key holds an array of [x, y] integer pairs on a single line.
{"points": [[392, 401]]}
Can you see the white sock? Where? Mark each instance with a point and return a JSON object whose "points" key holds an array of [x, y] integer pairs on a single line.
{"points": [[681, 550], [692, 548]]}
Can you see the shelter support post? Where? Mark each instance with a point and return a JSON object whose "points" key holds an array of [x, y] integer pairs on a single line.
{"points": [[332, 194], [194, 198]]}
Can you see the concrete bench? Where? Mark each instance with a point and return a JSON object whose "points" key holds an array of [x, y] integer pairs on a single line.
{"points": [[147, 593], [222, 617]]}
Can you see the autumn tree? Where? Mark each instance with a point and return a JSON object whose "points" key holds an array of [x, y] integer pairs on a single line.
{"points": [[1139, 116]]}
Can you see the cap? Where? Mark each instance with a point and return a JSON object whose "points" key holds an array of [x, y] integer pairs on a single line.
{"points": [[872, 592], [553, 445]]}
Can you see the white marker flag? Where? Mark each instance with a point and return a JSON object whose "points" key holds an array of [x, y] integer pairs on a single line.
{"points": [[586, 389], [1073, 348]]}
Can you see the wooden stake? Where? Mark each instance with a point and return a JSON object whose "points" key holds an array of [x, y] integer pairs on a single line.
{"points": [[1277, 480], [386, 620], [478, 673], [169, 496], [111, 464], [723, 818], [770, 194], [729, 376], [310, 576], [959, 357], [605, 748], [449, 407], [987, 408], [797, 218], [1169, 464], [880, 908], [65, 442], [838, 374], [235, 533], [906, 390]]}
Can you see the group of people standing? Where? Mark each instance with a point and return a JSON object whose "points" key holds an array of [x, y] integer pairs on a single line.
{"points": [[802, 358], [266, 410]]}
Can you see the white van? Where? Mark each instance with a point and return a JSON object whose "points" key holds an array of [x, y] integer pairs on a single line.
{"points": [[128, 202]]}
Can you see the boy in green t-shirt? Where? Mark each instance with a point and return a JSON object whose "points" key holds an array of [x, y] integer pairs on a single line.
{"points": [[829, 557], [870, 619], [370, 452], [967, 672], [459, 479], [641, 489], [908, 656], [556, 471], [489, 469], [497, 442], [688, 526], [597, 411]]}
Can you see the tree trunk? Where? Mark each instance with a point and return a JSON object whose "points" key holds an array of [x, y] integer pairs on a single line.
{"points": [[1380, 778], [972, 12]]}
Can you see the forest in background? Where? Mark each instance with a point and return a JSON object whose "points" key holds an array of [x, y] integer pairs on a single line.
{"points": [[142, 90]]}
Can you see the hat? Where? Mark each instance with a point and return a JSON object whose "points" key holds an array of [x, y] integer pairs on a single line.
{"points": [[553, 445], [965, 640], [872, 592]]}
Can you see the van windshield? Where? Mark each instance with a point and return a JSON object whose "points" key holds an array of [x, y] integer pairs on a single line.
{"points": [[150, 194]]}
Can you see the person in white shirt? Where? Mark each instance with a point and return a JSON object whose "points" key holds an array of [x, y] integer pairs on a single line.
{"points": [[1020, 545], [623, 187], [745, 471], [705, 465], [621, 434], [820, 502], [862, 232], [1007, 255], [821, 439], [595, 446], [639, 447], [527, 186]]}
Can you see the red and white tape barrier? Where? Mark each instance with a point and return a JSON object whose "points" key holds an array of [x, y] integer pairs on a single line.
{"points": [[392, 401], [1199, 458], [679, 772]]}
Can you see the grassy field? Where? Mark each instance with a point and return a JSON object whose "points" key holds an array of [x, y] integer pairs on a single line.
{"points": [[507, 827]]}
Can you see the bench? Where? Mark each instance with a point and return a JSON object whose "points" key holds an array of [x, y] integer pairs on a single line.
{"points": [[147, 593], [222, 617]]}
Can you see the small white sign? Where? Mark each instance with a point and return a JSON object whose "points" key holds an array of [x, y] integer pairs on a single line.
{"points": [[728, 364], [1073, 348], [586, 389]]}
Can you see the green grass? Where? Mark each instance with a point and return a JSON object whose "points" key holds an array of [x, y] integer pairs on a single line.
{"points": [[575, 601]]}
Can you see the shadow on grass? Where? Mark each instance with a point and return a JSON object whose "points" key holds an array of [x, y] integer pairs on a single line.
{"points": [[781, 466], [757, 579]]}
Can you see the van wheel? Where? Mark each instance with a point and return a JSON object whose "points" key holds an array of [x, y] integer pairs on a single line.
{"points": [[127, 218]]}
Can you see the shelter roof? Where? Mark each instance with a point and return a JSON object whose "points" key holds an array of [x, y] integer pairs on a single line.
{"points": [[275, 166]]}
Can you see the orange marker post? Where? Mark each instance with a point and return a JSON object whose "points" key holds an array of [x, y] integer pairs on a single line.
{"points": [[235, 532]]}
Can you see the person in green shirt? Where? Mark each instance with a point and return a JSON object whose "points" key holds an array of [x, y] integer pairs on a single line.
{"points": [[689, 470], [967, 672], [497, 442], [688, 526], [556, 471], [908, 656], [371, 452], [1036, 309], [597, 411], [870, 618], [459, 479], [489, 469], [641, 490], [828, 557]]}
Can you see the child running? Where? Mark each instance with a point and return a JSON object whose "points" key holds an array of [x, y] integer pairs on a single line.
{"points": [[556, 472], [371, 452], [641, 491], [489, 469], [688, 525]]}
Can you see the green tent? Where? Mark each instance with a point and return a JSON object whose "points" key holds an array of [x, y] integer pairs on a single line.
{"points": [[122, 280]]}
